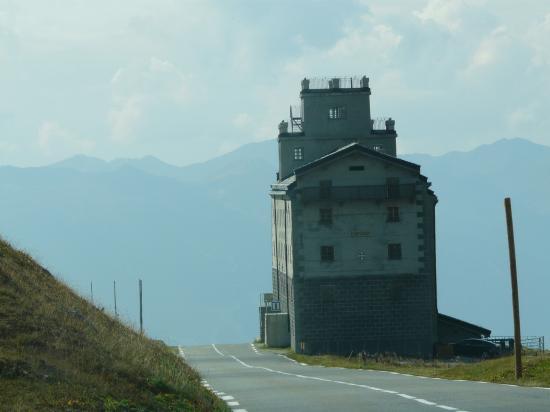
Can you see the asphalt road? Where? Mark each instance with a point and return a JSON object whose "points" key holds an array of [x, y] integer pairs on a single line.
{"points": [[253, 380]]}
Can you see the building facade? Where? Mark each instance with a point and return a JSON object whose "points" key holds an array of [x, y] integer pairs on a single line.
{"points": [[353, 229]]}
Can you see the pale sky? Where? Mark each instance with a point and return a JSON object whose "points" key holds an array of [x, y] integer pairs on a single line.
{"points": [[188, 80]]}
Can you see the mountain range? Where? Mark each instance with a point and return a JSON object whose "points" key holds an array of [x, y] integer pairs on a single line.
{"points": [[199, 236]]}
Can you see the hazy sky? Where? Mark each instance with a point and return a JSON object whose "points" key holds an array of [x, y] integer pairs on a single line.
{"points": [[189, 80]]}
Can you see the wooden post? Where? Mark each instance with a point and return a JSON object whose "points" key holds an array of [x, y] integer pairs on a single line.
{"points": [[114, 295], [515, 297], [140, 307]]}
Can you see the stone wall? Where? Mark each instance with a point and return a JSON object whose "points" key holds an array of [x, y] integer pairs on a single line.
{"points": [[373, 313], [276, 330]]}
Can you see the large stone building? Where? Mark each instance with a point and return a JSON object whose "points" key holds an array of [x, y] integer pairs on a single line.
{"points": [[353, 230]]}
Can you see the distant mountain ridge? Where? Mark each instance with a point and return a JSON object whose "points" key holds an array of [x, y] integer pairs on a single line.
{"points": [[199, 235], [263, 153]]}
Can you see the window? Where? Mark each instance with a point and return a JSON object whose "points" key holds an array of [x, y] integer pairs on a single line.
{"points": [[393, 214], [392, 184], [378, 148], [394, 251], [325, 216], [338, 112], [356, 168], [325, 187], [298, 153], [327, 253]]}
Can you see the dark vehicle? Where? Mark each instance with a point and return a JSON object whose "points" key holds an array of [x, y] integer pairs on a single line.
{"points": [[476, 348]]}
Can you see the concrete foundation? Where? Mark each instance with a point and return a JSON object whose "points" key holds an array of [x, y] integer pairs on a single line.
{"points": [[277, 334]]}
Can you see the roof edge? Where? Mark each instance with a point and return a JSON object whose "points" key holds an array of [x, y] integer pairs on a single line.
{"points": [[447, 318], [351, 148]]}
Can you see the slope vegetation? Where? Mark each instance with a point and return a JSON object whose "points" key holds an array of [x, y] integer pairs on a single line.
{"points": [[60, 353]]}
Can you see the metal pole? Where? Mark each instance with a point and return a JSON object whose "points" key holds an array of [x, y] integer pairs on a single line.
{"points": [[92, 291], [140, 307], [114, 295], [514, 276]]}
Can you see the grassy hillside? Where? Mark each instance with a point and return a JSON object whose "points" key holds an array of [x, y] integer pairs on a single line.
{"points": [[60, 353]]}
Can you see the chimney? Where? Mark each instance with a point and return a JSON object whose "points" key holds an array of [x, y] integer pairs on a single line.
{"points": [[334, 83], [390, 124]]}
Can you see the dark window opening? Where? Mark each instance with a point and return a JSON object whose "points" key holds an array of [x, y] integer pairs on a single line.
{"points": [[393, 214], [392, 184], [356, 168], [327, 253], [325, 189], [325, 216], [394, 251]]}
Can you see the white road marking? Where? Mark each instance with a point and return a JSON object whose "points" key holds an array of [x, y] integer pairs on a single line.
{"points": [[230, 400], [423, 377], [182, 354], [373, 388], [216, 349], [404, 395], [256, 351], [425, 402], [287, 358]]}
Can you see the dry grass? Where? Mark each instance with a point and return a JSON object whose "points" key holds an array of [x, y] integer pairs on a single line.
{"points": [[536, 368], [60, 353]]}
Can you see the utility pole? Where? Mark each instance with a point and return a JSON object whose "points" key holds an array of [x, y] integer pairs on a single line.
{"points": [[140, 307], [92, 291], [114, 295], [514, 275]]}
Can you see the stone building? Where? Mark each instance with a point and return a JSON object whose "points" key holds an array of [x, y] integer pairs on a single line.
{"points": [[353, 229]]}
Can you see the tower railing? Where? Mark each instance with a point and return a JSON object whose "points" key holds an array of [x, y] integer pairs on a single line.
{"points": [[379, 123], [296, 119], [353, 82]]}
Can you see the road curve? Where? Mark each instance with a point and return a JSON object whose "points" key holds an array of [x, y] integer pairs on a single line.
{"points": [[253, 380]]}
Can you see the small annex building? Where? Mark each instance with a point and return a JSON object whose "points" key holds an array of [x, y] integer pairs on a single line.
{"points": [[353, 232]]}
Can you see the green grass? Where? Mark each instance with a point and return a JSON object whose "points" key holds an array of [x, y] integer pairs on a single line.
{"points": [[60, 353], [536, 369]]}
